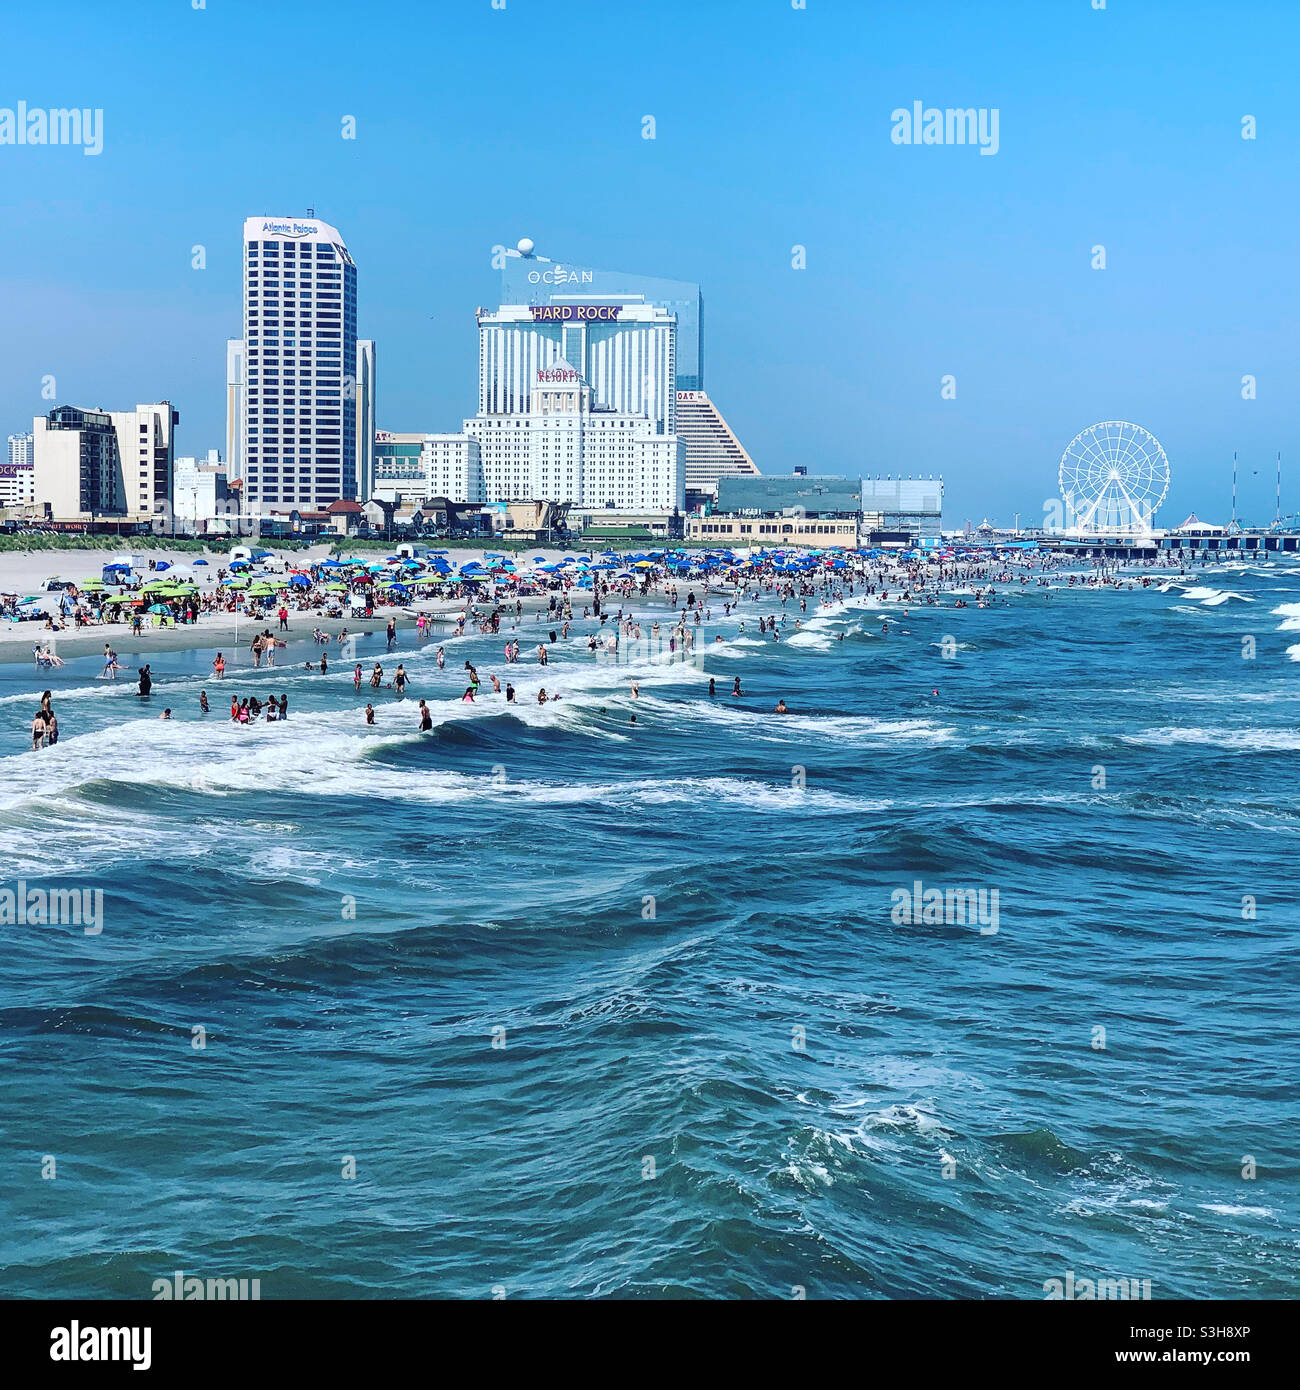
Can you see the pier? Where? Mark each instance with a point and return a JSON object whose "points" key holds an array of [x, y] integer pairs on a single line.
{"points": [[1185, 544]]}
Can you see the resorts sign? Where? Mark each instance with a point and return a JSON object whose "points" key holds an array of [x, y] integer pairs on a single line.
{"points": [[580, 313]]}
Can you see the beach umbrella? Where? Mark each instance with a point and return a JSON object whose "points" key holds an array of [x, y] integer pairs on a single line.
{"points": [[92, 584], [235, 583], [200, 562], [158, 608], [300, 581]]}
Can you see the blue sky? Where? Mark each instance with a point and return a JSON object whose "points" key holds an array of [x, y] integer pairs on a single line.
{"points": [[477, 126]]}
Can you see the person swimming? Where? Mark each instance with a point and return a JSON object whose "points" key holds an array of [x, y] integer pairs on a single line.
{"points": [[735, 689], [780, 708]]}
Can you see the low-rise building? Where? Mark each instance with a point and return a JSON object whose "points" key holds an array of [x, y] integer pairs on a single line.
{"points": [[201, 498], [742, 529]]}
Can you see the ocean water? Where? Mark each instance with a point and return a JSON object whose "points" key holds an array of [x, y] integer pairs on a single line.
{"points": [[596, 1009]]}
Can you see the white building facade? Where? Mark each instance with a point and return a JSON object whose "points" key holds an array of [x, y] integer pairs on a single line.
{"points": [[199, 490], [298, 378]]}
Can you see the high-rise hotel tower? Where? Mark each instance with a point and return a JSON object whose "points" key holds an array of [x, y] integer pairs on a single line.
{"points": [[299, 383], [712, 449]]}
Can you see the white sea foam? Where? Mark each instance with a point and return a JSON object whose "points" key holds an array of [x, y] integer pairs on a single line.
{"points": [[1234, 740], [837, 728], [1232, 1209], [817, 641]]}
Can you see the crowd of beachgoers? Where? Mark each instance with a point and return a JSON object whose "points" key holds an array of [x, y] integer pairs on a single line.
{"points": [[615, 601]]}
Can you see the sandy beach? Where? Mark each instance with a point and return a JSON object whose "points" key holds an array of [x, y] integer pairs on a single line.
{"points": [[25, 572]]}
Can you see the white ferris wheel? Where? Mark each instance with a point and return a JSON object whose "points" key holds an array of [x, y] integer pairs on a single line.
{"points": [[1113, 478]]}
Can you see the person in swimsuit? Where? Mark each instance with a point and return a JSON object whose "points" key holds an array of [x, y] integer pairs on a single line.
{"points": [[399, 681], [203, 701], [356, 677], [442, 658], [166, 714], [324, 663], [370, 714], [426, 719], [496, 685], [146, 681], [38, 730], [284, 708], [219, 665], [780, 708], [510, 693], [377, 676]]}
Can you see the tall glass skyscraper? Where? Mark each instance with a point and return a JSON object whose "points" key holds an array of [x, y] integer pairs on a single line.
{"points": [[527, 278], [296, 380]]}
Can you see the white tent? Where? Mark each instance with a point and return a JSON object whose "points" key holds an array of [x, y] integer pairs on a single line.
{"points": [[1194, 523]]}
